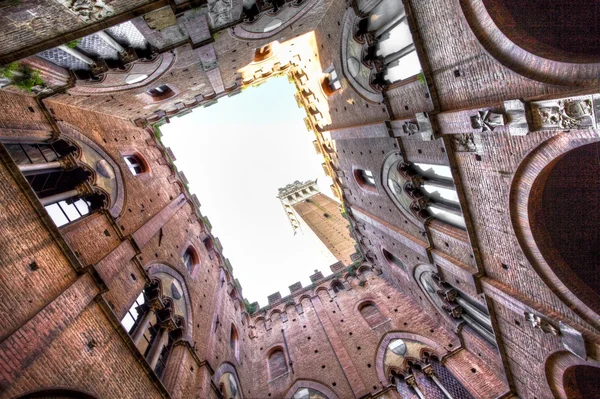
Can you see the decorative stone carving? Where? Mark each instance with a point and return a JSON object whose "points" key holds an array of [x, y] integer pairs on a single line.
{"points": [[517, 120], [89, 10], [104, 169], [464, 142], [410, 128], [567, 114], [487, 121], [219, 12], [541, 324]]}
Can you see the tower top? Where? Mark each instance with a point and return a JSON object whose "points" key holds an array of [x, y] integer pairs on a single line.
{"points": [[293, 194], [298, 192]]}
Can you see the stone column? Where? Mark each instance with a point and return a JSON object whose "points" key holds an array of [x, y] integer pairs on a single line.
{"points": [[157, 347], [383, 33], [81, 190], [412, 382], [77, 54], [428, 370], [110, 41], [141, 328], [389, 59], [66, 162]]}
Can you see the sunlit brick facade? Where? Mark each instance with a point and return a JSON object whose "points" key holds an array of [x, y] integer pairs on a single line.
{"points": [[462, 139]]}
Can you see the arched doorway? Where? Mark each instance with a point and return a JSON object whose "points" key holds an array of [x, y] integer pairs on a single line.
{"points": [[582, 382], [565, 223], [566, 30]]}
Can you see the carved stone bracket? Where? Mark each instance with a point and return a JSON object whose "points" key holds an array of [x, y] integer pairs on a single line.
{"points": [[464, 142], [541, 323], [487, 121], [88, 10]]}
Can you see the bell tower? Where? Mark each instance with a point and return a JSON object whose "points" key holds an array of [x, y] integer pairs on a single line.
{"points": [[304, 202]]}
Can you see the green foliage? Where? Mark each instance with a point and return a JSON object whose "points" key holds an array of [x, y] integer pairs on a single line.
{"points": [[10, 3], [421, 77], [250, 307], [73, 43], [7, 71], [22, 76]]}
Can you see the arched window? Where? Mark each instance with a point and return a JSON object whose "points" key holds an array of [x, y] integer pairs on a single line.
{"points": [[234, 342], [423, 190], [156, 320], [135, 164], [331, 81], [337, 287], [370, 312], [208, 243], [394, 48], [63, 185], [457, 304], [277, 363], [190, 259], [161, 93], [365, 179], [308, 393], [414, 368], [393, 260]]}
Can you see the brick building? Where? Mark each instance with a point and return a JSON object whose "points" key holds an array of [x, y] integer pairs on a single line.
{"points": [[304, 203], [462, 137]]}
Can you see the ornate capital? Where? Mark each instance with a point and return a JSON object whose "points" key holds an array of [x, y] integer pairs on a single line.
{"points": [[84, 189], [428, 370], [411, 381], [67, 162]]}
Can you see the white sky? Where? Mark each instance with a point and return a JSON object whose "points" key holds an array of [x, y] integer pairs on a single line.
{"points": [[236, 155]]}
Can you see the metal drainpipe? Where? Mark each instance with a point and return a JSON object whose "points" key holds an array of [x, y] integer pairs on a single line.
{"points": [[287, 350]]}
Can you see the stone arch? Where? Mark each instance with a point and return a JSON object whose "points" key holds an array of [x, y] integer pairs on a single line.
{"points": [[57, 393], [526, 216], [349, 22], [255, 30], [556, 33], [153, 269], [570, 377], [438, 350], [311, 384], [224, 368], [495, 42], [118, 201], [163, 63]]}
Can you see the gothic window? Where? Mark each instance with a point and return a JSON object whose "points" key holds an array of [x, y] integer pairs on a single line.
{"points": [[156, 320], [414, 368], [423, 191], [63, 185], [135, 164], [457, 304], [308, 393], [370, 312], [234, 342], [190, 259], [208, 243], [277, 363], [337, 287]]}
